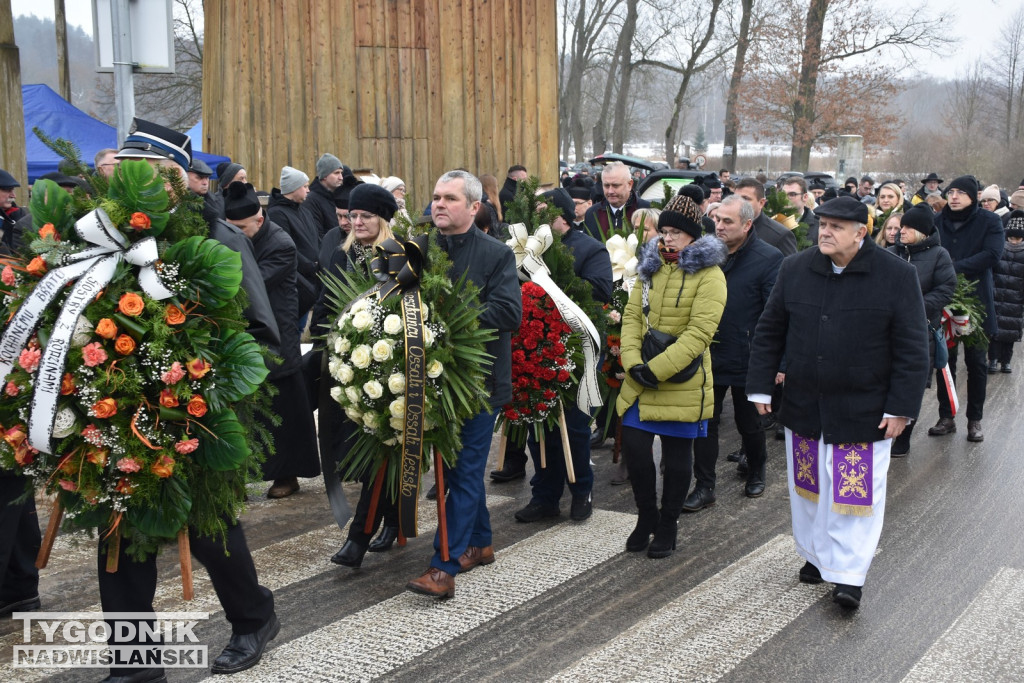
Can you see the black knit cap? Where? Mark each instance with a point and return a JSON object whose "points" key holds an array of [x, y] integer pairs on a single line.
{"points": [[967, 184], [374, 199], [226, 172], [695, 191], [240, 201], [579, 192], [561, 198], [682, 213], [1015, 224], [920, 218]]}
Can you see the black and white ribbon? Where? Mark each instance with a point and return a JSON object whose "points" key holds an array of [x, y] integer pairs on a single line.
{"points": [[91, 269]]}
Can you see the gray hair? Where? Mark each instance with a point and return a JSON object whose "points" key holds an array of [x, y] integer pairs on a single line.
{"points": [[746, 210], [471, 186]]}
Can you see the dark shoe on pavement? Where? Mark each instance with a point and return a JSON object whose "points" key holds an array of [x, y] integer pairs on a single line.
{"points": [[810, 574], [735, 455], [30, 604], [350, 555], [993, 367], [974, 432], [742, 466], [664, 541], [754, 487], [245, 651], [476, 556], [283, 488], [582, 507], [534, 512], [847, 597], [140, 676], [1006, 368], [780, 433], [646, 523], [944, 426], [432, 492], [508, 473], [388, 535], [699, 499], [433, 582]]}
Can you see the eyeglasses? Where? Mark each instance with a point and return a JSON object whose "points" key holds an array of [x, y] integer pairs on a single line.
{"points": [[361, 217], [985, 201]]}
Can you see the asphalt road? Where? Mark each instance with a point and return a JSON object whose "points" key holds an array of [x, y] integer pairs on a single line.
{"points": [[944, 598]]}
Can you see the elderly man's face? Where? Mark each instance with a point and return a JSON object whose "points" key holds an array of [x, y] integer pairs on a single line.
{"points": [[343, 220], [617, 183], [107, 164], [730, 227], [6, 197], [200, 184], [839, 239], [931, 186]]}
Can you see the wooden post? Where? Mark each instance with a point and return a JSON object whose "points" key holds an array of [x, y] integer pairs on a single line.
{"points": [[56, 514], [543, 451], [63, 71], [563, 429], [442, 520], [113, 550], [185, 557], [378, 484], [12, 117]]}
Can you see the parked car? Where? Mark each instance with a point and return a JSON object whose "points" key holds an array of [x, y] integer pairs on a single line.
{"points": [[652, 187]]}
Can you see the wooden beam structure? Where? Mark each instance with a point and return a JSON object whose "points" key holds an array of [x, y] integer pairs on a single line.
{"points": [[410, 88], [12, 117]]}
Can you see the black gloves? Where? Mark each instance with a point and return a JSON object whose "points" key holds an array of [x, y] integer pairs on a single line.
{"points": [[643, 375]]}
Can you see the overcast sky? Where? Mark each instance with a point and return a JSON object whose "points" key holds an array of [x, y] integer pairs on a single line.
{"points": [[974, 22]]}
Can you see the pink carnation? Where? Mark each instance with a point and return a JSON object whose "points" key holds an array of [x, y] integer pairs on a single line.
{"points": [[29, 359], [174, 375], [12, 389], [187, 446], [93, 354], [93, 435], [68, 485], [128, 465], [7, 276]]}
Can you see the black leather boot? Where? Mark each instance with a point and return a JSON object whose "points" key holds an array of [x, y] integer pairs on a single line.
{"points": [[388, 535], [350, 555], [646, 523], [664, 539]]}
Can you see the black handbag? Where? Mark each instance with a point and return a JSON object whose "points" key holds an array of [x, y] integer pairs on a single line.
{"points": [[656, 342]]}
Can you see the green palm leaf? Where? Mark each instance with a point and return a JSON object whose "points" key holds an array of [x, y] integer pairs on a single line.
{"points": [[213, 271], [228, 449], [239, 368], [51, 204], [138, 187], [168, 515]]}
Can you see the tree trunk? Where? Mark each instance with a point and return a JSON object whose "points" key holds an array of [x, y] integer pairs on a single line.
{"points": [[12, 119], [732, 121], [807, 86], [63, 70], [624, 93]]}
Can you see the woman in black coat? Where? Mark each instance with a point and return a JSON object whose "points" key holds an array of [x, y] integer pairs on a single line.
{"points": [[1009, 295], [919, 245]]}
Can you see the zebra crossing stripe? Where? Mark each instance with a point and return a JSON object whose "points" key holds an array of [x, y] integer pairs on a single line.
{"points": [[984, 643], [384, 637], [705, 633]]}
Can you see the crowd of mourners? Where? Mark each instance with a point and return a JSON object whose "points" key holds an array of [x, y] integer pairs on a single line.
{"points": [[823, 323]]}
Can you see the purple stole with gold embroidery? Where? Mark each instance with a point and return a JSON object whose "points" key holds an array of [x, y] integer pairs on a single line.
{"points": [[852, 475]]}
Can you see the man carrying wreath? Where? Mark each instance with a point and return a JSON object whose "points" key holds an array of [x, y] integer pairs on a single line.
{"points": [[491, 266]]}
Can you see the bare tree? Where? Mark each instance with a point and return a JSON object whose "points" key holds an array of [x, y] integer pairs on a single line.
{"points": [[1008, 58], [732, 120]]}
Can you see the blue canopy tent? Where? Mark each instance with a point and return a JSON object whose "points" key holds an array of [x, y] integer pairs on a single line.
{"points": [[58, 118]]}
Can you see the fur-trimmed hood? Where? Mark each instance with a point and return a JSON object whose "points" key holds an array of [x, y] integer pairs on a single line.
{"points": [[706, 252]]}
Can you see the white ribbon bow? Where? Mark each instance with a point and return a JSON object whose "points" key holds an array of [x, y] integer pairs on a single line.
{"points": [[91, 269], [529, 250]]}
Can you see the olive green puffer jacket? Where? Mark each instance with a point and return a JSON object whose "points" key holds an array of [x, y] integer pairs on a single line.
{"points": [[687, 299]]}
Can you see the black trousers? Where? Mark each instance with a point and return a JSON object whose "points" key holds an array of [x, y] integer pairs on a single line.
{"points": [[748, 424], [1001, 352], [677, 456], [19, 541], [387, 510], [976, 360], [247, 605]]}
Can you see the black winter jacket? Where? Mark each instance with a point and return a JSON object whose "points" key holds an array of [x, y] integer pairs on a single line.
{"points": [[591, 262], [934, 271], [598, 217], [855, 344], [298, 223], [750, 274], [321, 207], [1009, 294], [491, 266], [775, 234], [974, 239], [275, 256]]}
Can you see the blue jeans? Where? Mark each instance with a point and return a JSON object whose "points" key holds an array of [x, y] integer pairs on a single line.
{"points": [[469, 522], [549, 482]]}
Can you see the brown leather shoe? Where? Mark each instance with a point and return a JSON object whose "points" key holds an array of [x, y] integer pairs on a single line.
{"points": [[435, 583], [944, 426], [475, 556], [974, 432], [283, 488]]}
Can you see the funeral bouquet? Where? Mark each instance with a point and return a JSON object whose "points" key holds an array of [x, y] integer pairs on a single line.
{"points": [[963, 318], [622, 248], [778, 207], [558, 310], [123, 358], [405, 351]]}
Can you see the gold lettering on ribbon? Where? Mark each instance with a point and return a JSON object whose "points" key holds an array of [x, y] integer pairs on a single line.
{"points": [[415, 383]]}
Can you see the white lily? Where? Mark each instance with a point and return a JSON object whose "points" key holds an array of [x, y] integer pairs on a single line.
{"points": [[622, 251]]}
